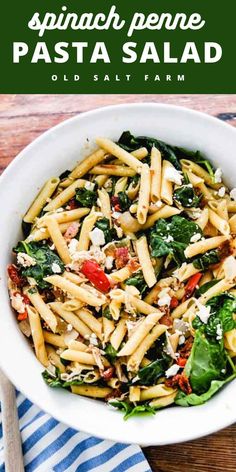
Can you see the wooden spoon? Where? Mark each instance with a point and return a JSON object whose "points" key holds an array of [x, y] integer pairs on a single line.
{"points": [[11, 432]]}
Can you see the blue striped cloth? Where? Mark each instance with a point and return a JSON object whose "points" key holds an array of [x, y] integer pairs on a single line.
{"points": [[50, 446]]}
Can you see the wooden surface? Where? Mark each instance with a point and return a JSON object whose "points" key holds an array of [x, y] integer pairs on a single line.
{"points": [[22, 119]]}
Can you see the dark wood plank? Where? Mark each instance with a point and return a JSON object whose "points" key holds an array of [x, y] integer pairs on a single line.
{"points": [[22, 119]]}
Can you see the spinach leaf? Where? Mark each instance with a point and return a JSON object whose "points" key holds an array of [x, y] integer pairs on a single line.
{"points": [[57, 382], [111, 353], [207, 362], [149, 374], [172, 236], [203, 289], [204, 261], [137, 280], [223, 307], [104, 225], [186, 197], [130, 143], [44, 258], [196, 157], [131, 410], [193, 399], [86, 198], [124, 201], [51, 380]]}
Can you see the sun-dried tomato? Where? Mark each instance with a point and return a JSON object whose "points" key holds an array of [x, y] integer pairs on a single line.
{"points": [[108, 373], [121, 257], [15, 276], [174, 303], [116, 393], [73, 204], [186, 349], [115, 203], [181, 381], [166, 320]]}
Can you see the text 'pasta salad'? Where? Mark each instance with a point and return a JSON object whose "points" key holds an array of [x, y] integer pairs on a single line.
{"points": [[125, 281]]}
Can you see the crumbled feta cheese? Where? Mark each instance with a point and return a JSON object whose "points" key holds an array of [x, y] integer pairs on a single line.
{"points": [[93, 339], [17, 302], [72, 246], [56, 268], [169, 238], [173, 175], [172, 370], [181, 339], [116, 215], [195, 238], [181, 326], [219, 332], [97, 237], [59, 210], [164, 297], [119, 231], [89, 186], [204, 312], [233, 194], [229, 267], [25, 260], [69, 327], [109, 262], [193, 213], [52, 247], [218, 176], [221, 192]]}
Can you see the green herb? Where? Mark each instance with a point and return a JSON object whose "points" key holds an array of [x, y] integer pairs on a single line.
{"points": [[210, 257], [104, 225], [172, 236], [206, 362], [149, 374], [131, 410], [137, 280], [33, 290], [106, 313], [124, 201], [111, 353], [86, 198], [186, 197], [135, 180], [203, 289], [193, 399], [44, 258]]}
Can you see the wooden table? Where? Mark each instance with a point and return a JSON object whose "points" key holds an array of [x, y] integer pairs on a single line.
{"points": [[22, 119]]}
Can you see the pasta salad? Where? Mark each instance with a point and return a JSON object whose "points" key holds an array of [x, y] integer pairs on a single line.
{"points": [[125, 281]]}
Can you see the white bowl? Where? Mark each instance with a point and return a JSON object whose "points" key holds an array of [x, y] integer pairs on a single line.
{"points": [[57, 150]]}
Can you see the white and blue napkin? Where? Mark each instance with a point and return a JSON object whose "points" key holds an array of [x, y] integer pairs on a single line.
{"points": [[50, 446]]}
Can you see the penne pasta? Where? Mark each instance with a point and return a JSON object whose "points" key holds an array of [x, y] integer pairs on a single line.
{"points": [[38, 204]]}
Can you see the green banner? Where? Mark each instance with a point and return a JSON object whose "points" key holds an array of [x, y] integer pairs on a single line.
{"points": [[54, 46]]}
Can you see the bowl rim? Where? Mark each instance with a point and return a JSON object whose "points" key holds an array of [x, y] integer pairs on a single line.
{"points": [[115, 437]]}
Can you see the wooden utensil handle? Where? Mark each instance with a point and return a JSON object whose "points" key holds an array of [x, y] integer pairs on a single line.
{"points": [[11, 433]]}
